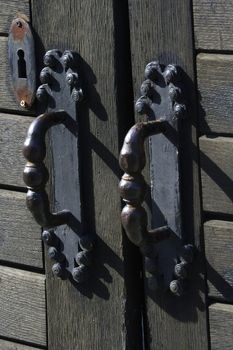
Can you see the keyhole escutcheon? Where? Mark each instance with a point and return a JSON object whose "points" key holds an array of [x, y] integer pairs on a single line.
{"points": [[22, 72]]}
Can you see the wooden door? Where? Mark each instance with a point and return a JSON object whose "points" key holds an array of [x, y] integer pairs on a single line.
{"points": [[115, 309]]}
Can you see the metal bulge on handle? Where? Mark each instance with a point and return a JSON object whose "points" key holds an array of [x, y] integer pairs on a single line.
{"points": [[162, 101]]}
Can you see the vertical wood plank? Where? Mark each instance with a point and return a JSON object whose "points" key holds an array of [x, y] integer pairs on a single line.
{"points": [[162, 30], [91, 316]]}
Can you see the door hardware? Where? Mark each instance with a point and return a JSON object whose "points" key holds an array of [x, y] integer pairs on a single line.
{"points": [[162, 101], [57, 98], [22, 62]]}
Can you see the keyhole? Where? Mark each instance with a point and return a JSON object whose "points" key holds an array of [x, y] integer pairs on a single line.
{"points": [[22, 72]]}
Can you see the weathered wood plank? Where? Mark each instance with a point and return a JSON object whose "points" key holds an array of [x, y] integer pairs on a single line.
{"points": [[13, 129], [20, 236], [213, 24], [218, 248], [95, 315], [7, 345], [7, 99], [22, 305], [221, 326], [217, 174], [172, 322], [10, 10], [215, 79]]}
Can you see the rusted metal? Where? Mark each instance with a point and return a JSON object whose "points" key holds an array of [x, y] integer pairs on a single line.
{"points": [[21, 55]]}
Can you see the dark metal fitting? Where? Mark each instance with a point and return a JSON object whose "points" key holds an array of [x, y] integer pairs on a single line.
{"points": [[177, 287], [58, 270], [19, 24], [174, 93], [151, 266], [181, 270], [42, 94], [147, 88], [86, 243], [179, 110], [72, 79], [50, 59], [80, 274], [84, 258], [45, 76], [147, 249], [142, 106], [170, 74], [67, 59], [187, 253], [48, 237], [77, 95], [54, 254], [152, 71]]}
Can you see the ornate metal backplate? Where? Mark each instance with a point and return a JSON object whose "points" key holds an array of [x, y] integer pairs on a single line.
{"points": [[162, 99], [58, 98]]}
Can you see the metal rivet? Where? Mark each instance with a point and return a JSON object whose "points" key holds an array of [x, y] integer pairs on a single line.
{"points": [[49, 59], [77, 95], [84, 258], [23, 104], [147, 88], [142, 105], [72, 79], [58, 270], [152, 71], [48, 237], [67, 59], [54, 254], [42, 94], [174, 93], [179, 110], [45, 76], [181, 270], [80, 274], [152, 283], [86, 243], [170, 74], [176, 287]]}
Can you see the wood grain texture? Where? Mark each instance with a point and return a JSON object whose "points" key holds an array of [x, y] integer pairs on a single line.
{"points": [[20, 236], [173, 322], [7, 99], [10, 10], [217, 174], [213, 24], [22, 305], [93, 315], [221, 326], [218, 248], [7, 345], [214, 73], [13, 129]]}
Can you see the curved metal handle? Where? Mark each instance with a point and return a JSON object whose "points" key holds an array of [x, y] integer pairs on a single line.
{"points": [[133, 187], [35, 174]]}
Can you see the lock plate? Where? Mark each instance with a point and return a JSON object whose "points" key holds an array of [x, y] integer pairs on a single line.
{"points": [[21, 55]]}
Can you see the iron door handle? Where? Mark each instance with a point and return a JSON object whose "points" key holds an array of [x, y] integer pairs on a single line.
{"points": [[133, 186], [35, 173], [168, 264]]}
